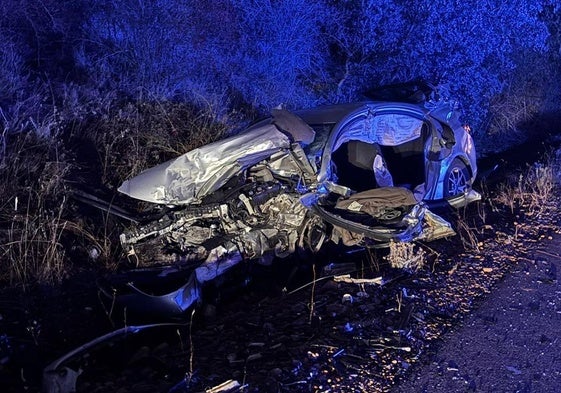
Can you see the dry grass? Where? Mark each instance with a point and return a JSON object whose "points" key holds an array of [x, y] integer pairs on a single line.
{"points": [[39, 229], [534, 188], [467, 235], [140, 135], [524, 97], [43, 233], [508, 112], [30, 242]]}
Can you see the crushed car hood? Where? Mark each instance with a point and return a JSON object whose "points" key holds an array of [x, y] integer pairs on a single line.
{"points": [[199, 172]]}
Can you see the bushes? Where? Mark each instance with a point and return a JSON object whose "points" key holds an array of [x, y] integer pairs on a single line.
{"points": [[472, 46], [31, 212], [534, 190], [44, 233], [265, 52], [138, 135], [257, 54]]}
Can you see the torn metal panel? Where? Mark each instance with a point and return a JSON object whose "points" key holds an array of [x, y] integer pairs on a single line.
{"points": [[468, 197], [219, 260], [292, 164], [293, 125], [277, 223], [60, 380], [174, 303], [199, 172], [378, 233], [435, 227], [170, 305]]}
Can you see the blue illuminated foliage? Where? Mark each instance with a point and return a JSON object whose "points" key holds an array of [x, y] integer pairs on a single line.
{"points": [[262, 53], [265, 52], [472, 46]]}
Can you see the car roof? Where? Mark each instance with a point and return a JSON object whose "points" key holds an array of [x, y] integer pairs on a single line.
{"points": [[331, 114], [334, 113]]}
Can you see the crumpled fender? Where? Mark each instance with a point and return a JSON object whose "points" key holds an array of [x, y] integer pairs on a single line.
{"points": [[199, 172]]}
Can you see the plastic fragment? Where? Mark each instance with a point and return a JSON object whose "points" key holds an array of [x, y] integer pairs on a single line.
{"points": [[347, 279], [224, 387]]}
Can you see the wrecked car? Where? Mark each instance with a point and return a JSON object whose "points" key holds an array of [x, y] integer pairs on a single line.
{"points": [[360, 174]]}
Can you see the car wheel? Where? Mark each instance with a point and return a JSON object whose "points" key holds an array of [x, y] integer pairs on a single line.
{"points": [[456, 180]]}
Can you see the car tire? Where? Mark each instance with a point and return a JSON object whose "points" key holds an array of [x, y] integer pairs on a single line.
{"points": [[457, 177]]}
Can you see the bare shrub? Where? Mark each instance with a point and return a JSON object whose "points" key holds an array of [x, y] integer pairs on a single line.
{"points": [[138, 135], [31, 245], [524, 96], [534, 188], [380, 42], [265, 53], [13, 78], [40, 230], [467, 235]]}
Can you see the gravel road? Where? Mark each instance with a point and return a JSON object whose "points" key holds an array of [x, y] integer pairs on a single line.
{"points": [[512, 343]]}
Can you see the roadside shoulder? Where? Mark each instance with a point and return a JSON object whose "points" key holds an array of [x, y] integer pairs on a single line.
{"points": [[511, 342]]}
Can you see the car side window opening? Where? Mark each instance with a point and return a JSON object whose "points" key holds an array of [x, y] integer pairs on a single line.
{"points": [[406, 162], [353, 165], [363, 165]]}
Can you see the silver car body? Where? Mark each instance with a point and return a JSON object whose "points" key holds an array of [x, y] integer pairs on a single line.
{"points": [[296, 180]]}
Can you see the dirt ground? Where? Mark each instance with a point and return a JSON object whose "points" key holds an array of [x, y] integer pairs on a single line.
{"points": [[511, 343]]}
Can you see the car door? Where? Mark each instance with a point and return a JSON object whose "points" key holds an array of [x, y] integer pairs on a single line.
{"points": [[376, 212]]}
